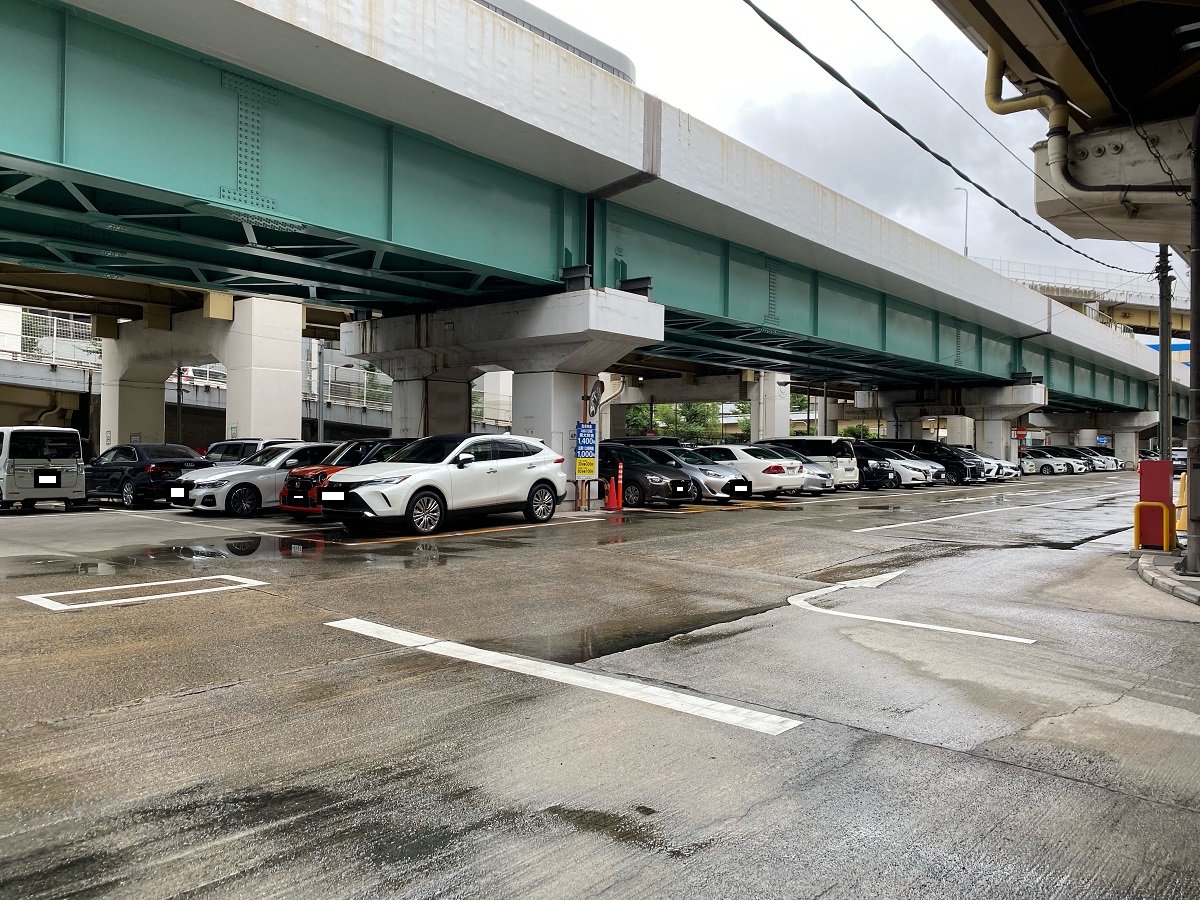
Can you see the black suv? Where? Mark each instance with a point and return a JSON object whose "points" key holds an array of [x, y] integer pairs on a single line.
{"points": [[643, 480], [961, 468]]}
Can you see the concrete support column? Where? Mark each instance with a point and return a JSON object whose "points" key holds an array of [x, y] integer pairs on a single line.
{"points": [[424, 406], [548, 405], [132, 410], [1086, 437], [909, 429], [262, 355], [770, 406], [612, 421], [1125, 446], [993, 437]]}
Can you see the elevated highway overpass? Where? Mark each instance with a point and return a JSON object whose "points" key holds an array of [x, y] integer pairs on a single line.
{"points": [[430, 170]]}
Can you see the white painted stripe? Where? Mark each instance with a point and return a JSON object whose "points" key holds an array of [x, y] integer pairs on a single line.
{"points": [[755, 720], [999, 509], [236, 583], [798, 601]]}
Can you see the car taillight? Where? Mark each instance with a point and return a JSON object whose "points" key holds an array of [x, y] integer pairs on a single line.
{"points": [[152, 469], [773, 470], [560, 460]]}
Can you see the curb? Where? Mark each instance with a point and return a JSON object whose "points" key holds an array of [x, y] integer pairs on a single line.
{"points": [[1159, 578]]}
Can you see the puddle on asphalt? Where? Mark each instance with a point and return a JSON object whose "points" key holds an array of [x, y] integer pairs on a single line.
{"points": [[606, 638]]}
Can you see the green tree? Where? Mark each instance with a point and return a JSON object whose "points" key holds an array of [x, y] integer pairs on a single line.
{"points": [[861, 431], [637, 418]]}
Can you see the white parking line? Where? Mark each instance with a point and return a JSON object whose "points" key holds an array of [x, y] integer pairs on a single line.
{"points": [[999, 509], [755, 720], [801, 600], [44, 600]]}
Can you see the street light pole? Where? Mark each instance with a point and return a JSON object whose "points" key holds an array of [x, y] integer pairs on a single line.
{"points": [[966, 215], [320, 389]]}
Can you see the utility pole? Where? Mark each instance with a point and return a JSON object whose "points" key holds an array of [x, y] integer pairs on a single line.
{"points": [[320, 389], [1165, 393], [1191, 562], [966, 215]]}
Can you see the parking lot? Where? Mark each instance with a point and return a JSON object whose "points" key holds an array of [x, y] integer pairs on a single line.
{"points": [[952, 692]]}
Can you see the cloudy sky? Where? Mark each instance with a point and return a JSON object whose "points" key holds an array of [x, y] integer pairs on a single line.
{"points": [[720, 62]]}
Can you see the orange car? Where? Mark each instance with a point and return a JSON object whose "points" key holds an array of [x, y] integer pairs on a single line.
{"points": [[300, 497]]}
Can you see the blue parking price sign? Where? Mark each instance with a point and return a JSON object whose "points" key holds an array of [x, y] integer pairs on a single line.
{"points": [[585, 450]]}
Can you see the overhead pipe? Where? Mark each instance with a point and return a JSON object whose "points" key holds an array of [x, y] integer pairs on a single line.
{"points": [[1056, 138]]}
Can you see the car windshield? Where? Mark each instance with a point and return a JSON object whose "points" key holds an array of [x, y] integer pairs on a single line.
{"points": [[169, 451], [347, 453], [267, 456], [761, 453], [427, 450], [692, 458]]}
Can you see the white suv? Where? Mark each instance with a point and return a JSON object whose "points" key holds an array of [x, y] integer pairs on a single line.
{"points": [[449, 475]]}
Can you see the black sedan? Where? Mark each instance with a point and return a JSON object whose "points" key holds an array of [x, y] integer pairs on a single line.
{"points": [[140, 473], [643, 480]]}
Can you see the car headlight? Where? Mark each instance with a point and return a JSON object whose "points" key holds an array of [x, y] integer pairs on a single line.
{"points": [[212, 484], [656, 479], [321, 476], [710, 473], [395, 480], [873, 463]]}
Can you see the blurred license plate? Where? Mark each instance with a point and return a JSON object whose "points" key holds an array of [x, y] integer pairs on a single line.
{"points": [[178, 492], [48, 480], [333, 495], [679, 489], [739, 487], [299, 498]]}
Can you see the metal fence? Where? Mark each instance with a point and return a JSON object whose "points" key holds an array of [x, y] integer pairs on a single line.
{"points": [[54, 339]]}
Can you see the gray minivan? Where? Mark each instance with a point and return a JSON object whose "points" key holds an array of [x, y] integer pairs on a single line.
{"points": [[38, 462]]}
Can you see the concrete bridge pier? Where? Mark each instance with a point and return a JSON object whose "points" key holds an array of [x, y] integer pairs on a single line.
{"points": [[554, 345], [255, 338], [770, 406]]}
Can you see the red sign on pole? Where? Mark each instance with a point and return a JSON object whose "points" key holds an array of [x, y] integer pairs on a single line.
{"points": [[1020, 432]]}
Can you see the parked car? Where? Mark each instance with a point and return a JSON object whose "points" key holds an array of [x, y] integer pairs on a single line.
{"points": [[1046, 461], [1078, 455], [1178, 460], [246, 488], [960, 467], [833, 452], [642, 479], [995, 469], [817, 478], [911, 473], [300, 495], [447, 475], [41, 463], [226, 453], [875, 470], [140, 473], [770, 474], [1103, 462], [935, 472], [710, 480]]}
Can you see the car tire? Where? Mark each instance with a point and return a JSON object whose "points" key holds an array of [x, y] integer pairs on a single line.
{"points": [[633, 495], [128, 494], [243, 501], [952, 478], [771, 495], [72, 505], [697, 494], [541, 504], [425, 513], [1047, 469]]}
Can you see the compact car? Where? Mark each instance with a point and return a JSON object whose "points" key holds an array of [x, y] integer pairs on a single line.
{"points": [[448, 475], [642, 479], [246, 488], [769, 473], [140, 473], [1045, 461], [710, 480]]}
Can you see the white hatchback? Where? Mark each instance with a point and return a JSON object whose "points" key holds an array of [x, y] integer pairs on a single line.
{"points": [[769, 473], [449, 475]]}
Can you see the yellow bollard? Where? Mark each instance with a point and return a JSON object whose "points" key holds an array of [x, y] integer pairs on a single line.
{"points": [[1170, 541]]}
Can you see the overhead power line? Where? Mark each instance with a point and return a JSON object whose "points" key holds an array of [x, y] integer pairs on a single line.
{"points": [[871, 104]]}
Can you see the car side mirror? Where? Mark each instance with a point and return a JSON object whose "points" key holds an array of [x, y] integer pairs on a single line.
{"points": [[291, 463], [464, 458], [93, 460]]}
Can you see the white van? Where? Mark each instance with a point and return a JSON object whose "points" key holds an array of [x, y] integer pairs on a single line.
{"points": [[40, 463], [833, 452]]}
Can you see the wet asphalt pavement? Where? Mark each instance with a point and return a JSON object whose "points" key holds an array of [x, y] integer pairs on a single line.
{"points": [[232, 743]]}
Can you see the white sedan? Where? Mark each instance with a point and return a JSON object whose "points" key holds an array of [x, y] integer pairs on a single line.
{"points": [[769, 473], [448, 475], [249, 486], [1043, 461]]}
